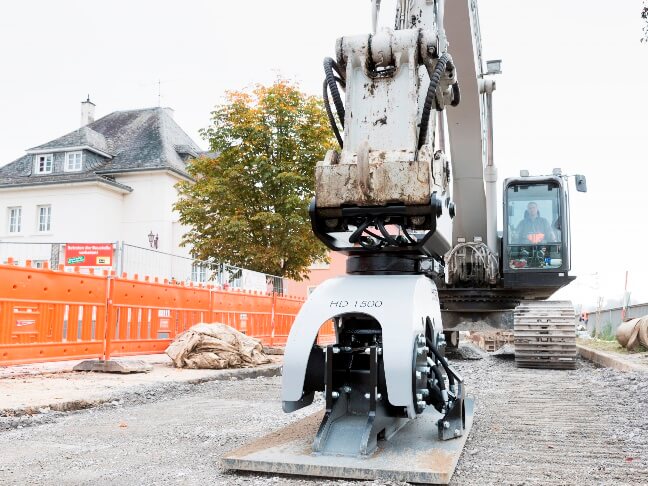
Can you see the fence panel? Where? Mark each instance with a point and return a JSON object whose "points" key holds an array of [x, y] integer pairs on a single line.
{"points": [[49, 316], [247, 311], [148, 315]]}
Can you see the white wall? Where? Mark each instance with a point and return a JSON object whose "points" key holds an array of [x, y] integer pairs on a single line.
{"points": [[80, 212], [95, 213], [150, 208]]}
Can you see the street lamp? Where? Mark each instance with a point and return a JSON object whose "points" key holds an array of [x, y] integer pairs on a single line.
{"points": [[153, 240], [494, 67]]}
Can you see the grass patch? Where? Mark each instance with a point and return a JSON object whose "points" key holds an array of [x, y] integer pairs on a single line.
{"points": [[610, 346]]}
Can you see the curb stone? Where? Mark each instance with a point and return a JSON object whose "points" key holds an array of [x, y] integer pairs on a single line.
{"points": [[609, 360]]}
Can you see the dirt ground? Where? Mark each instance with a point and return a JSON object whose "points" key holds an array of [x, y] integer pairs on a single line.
{"points": [[31, 388], [586, 426]]}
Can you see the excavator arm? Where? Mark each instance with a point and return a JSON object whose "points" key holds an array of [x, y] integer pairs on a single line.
{"points": [[410, 197]]}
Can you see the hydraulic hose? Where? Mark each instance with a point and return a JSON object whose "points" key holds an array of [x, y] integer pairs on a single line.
{"points": [[442, 360], [331, 117], [439, 377], [329, 66], [430, 97], [435, 396], [355, 236]]}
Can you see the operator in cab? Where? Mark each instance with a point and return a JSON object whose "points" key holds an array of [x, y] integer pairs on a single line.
{"points": [[534, 228]]}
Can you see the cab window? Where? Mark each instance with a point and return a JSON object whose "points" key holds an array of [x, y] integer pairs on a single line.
{"points": [[534, 226]]}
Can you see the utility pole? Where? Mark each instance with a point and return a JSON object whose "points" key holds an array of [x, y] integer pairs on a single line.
{"points": [[626, 298]]}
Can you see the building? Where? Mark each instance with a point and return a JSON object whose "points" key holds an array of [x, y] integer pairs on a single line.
{"points": [[318, 272], [111, 180]]}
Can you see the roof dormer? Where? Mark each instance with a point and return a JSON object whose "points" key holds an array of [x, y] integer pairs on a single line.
{"points": [[43, 163]]}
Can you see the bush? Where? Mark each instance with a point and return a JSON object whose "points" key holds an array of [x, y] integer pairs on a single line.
{"points": [[607, 333]]}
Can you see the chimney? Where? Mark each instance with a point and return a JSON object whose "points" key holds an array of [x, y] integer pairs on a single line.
{"points": [[87, 112]]}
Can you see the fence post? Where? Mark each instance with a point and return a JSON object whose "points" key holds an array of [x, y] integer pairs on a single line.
{"points": [[210, 319], [272, 317], [120, 257], [110, 310]]}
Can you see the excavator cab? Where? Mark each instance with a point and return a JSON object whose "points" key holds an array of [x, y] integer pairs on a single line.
{"points": [[536, 237]]}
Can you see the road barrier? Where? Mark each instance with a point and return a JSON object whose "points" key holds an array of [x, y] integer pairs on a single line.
{"points": [[51, 315]]}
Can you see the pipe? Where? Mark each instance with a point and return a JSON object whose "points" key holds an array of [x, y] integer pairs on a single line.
{"points": [[490, 175], [441, 121], [375, 13], [440, 15], [489, 126], [401, 15]]}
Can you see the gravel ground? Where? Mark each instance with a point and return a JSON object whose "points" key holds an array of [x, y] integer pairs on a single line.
{"points": [[586, 426]]}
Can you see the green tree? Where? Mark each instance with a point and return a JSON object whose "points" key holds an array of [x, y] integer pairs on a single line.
{"points": [[248, 205]]}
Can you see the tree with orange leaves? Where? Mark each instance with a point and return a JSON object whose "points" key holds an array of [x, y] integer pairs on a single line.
{"points": [[248, 204]]}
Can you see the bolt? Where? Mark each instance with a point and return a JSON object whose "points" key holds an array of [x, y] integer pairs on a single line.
{"points": [[422, 351], [367, 350], [378, 396], [422, 405], [346, 389], [335, 394], [421, 340], [425, 392], [336, 350], [446, 424], [418, 375], [367, 396], [419, 396], [379, 351], [457, 432]]}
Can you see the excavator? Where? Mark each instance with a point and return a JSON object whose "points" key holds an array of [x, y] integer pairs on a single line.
{"points": [[410, 197]]}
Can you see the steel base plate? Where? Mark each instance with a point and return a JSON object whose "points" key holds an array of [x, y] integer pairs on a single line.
{"points": [[414, 454]]}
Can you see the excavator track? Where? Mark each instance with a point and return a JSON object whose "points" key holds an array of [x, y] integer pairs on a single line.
{"points": [[545, 335]]}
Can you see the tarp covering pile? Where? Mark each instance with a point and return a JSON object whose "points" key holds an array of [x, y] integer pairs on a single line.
{"points": [[215, 346], [632, 333]]}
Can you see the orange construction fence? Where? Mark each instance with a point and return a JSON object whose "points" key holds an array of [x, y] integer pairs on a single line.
{"points": [[48, 315]]}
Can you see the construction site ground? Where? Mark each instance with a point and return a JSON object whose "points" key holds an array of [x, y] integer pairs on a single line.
{"points": [[586, 426]]}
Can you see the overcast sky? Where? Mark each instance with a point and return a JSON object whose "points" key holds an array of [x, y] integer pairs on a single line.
{"points": [[572, 93]]}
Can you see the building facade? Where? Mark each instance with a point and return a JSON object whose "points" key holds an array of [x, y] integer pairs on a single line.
{"points": [[112, 180], [318, 272]]}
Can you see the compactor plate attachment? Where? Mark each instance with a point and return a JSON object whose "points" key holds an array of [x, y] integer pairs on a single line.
{"points": [[415, 454]]}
